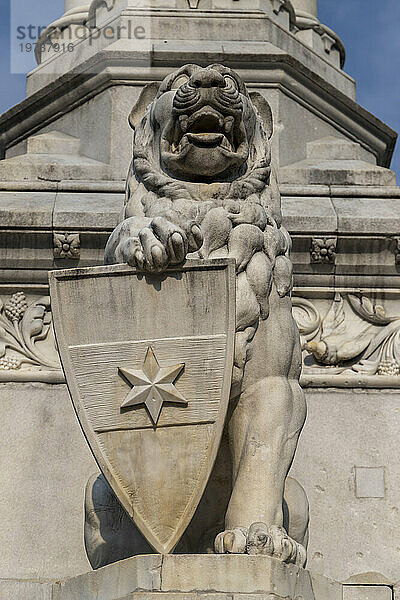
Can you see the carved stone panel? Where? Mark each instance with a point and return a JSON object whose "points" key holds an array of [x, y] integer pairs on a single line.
{"points": [[350, 338], [26, 338]]}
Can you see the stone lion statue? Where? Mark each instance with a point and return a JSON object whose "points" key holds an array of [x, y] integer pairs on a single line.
{"points": [[201, 186]]}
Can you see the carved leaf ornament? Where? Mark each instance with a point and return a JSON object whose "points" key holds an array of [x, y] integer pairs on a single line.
{"points": [[368, 345], [22, 326]]}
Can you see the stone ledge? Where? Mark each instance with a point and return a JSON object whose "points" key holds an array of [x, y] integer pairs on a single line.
{"points": [[183, 577]]}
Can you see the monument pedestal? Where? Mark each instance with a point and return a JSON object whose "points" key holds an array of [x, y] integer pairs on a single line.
{"points": [[185, 577]]}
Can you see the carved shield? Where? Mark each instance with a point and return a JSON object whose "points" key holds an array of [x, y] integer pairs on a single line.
{"points": [[148, 361]]}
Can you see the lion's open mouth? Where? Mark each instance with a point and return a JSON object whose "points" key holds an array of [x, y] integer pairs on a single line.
{"points": [[204, 143], [205, 129]]}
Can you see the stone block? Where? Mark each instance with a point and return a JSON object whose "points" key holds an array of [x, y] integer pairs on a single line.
{"points": [[26, 210], [309, 214], [45, 463], [324, 588], [209, 577], [113, 581], [336, 172], [53, 142], [333, 148], [367, 592], [365, 215], [370, 482], [87, 210], [345, 428], [234, 573], [52, 167]]}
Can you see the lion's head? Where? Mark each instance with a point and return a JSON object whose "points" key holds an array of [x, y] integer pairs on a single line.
{"points": [[201, 126], [205, 123]]}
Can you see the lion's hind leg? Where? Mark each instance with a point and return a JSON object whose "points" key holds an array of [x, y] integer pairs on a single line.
{"points": [[264, 430]]}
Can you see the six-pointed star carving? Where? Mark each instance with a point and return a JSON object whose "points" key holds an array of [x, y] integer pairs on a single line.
{"points": [[153, 385]]}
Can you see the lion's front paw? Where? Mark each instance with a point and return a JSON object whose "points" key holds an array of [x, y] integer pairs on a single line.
{"points": [[160, 244], [268, 540]]}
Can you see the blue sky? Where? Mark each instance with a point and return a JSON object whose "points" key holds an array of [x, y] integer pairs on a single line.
{"points": [[370, 30]]}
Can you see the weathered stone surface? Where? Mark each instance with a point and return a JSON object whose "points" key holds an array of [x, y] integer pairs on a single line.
{"points": [[44, 464], [363, 215], [367, 592], [325, 589], [53, 142], [25, 590], [27, 211], [308, 214], [46, 161], [234, 573], [364, 422], [157, 577], [335, 161], [94, 211]]}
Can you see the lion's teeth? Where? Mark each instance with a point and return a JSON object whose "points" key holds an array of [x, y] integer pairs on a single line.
{"points": [[226, 144], [228, 124], [183, 122]]}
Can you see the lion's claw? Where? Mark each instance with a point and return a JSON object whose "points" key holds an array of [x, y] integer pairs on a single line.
{"points": [[156, 258], [261, 539], [231, 541]]}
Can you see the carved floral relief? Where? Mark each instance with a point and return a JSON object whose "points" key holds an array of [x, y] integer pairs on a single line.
{"points": [[355, 336], [26, 340]]}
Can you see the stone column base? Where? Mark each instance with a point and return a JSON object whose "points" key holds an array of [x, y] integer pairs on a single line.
{"points": [[184, 577]]}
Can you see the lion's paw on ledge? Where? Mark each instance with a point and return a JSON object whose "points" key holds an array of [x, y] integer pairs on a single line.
{"points": [[259, 538]]}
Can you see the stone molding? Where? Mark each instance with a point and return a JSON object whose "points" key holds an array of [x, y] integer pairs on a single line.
{"points": [[364, 225], [53, 32]]}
